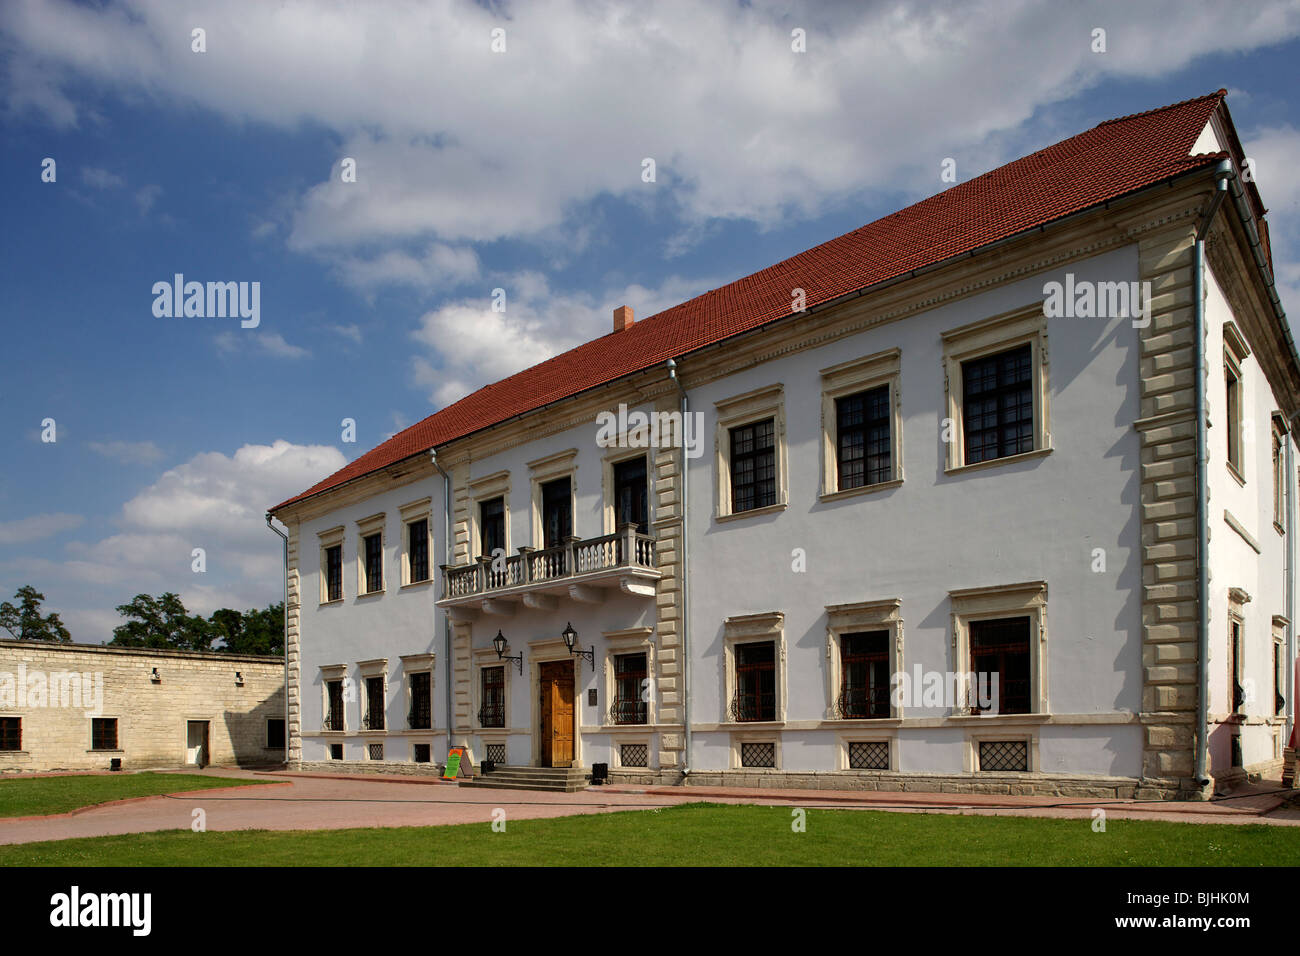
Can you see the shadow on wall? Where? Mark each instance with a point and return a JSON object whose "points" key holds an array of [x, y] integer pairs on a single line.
{"points": [[251, 735]]}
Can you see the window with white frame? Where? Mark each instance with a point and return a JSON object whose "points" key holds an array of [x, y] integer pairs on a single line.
{"points": [[1280, 668], [1237, 684], [370, 555], [489, 515], [751, 468], [333, 696], [331, 565], [1000, 633], [416, 540], [864, 652], [418, 670], [754, 661], [862, 435], [996, 379], [1235, 353], [1280, 438], [629, 676]]}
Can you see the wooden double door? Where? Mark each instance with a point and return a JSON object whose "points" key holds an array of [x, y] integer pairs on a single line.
{"points": [[555, 724]]}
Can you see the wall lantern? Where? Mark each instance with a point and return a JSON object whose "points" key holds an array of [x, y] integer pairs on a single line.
{"points": [[570, 636], [239, 679], [155, 676], [499, 643]]}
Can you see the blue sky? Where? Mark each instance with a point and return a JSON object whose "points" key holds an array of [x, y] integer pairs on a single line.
{"points": [[476, 170]]}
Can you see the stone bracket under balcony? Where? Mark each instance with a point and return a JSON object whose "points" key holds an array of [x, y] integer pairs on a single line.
{"points": [[581, 570]]}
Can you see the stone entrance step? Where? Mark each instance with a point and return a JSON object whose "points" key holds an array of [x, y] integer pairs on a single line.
{"points": [[552, 779]]}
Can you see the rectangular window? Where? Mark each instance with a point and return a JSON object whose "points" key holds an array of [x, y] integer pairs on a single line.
{"points": [[998, 405], [630, 494], [753, 466], [1279, 679], [869, 755], [758, 755], [557, 512], [492, 526], [864, 670], [1001, 647], [634, 755], [421, 715], [863, 441], [1279, 478], [1232, 379], [275, 733], [374, 716], [1234, 666], [629, 677], [1004, 756], [11, 733], [373, 550], [755, 682], [334, 573], [103, 733], [336, 751], [334, 711], [422, 753], [492, 707], [417, 536]]}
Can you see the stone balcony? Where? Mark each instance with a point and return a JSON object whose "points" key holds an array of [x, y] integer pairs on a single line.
{"points": [[579, 569]]}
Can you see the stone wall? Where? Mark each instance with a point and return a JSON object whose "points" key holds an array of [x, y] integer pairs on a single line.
{"points": [[37, 685]]}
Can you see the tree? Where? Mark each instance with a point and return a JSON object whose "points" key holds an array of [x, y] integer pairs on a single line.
{"points": [[251, 632], [161, 622], [25, 622]]}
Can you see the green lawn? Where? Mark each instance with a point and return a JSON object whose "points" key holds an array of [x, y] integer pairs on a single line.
{"points": [[700, 835], [30, 796]]}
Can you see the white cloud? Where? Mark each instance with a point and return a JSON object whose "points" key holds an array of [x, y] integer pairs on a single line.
{"points": [[146, 196], [213, 501], [350, 332], [38, 526], [1274, 151], [268, 343], [470, 345], [100, 178], [127, 452], [440, 266], [457, 144]]}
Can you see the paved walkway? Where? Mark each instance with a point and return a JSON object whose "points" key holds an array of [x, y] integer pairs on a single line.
{"points": [[318, 801]]}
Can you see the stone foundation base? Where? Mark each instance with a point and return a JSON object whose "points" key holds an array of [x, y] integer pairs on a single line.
{"points": [[1008, 784], [362, 767]]}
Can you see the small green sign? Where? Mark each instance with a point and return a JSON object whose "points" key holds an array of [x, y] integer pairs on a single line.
{"points": [[453, 764]]}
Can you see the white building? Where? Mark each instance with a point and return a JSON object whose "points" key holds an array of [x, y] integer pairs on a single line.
{"points": [[961, 440]]}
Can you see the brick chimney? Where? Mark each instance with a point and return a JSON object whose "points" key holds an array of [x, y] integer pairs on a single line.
{"points": [[623, 318]]}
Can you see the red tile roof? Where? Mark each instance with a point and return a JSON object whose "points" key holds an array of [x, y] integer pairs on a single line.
{"points": [[1115, 158]]}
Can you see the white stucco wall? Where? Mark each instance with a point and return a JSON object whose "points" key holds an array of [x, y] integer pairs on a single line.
{"points": [[1235, 563], [1038, 519]]}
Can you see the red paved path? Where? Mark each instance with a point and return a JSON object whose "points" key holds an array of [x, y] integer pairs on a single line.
{"points": [[313, 802]]}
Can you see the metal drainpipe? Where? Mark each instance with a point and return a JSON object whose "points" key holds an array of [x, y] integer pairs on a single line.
{"points": [[1222, 174], [285, 539], [686, 588], [446, 546]]}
